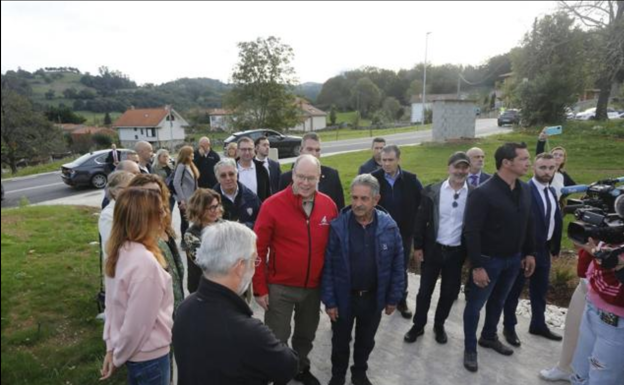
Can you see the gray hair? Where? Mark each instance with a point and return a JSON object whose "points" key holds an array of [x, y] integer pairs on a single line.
{"points": [[309, 158], [158, 154], [367, 180], [117, 180], [392, 148], [225, 162], [223, 245]]}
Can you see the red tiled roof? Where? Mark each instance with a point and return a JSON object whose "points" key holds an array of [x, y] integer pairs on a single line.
{"points": [[148, 117]]}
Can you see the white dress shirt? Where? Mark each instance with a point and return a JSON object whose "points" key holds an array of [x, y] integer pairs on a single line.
{"points": [[248, 177], [551, 221], [451, 218]]}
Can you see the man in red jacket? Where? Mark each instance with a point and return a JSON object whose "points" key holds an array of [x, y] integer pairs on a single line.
{"points": [[293, 231]]}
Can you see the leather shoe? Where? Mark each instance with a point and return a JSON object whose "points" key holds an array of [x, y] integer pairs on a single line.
{"points": [[440, 334], [337, 381], [307, 378], [404, 310], [496, 345], [546, 333], [511, 337], [470, 361], [413, 334], [361, 380]]}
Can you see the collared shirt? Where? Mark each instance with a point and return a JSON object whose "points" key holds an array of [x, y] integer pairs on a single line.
{"points": [[230, 197], [451, 218], [265, 163], [551, 221], [248, 177], [362, 254], [392, 179]]}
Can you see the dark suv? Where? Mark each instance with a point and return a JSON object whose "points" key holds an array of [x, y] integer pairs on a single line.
{"points": [[285, 144], [89, 170], [509, 117]]}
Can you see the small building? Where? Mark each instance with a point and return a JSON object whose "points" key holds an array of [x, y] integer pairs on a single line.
{"points": [[312, 119], [219, 119], [417, 105], [162, 127]]}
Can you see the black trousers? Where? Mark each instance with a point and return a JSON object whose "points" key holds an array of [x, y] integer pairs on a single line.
{"points": [[448, 263], [366, 317]]}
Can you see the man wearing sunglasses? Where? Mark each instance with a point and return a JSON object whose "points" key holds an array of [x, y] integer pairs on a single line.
{"points": [[438, 245], [240, 204]]}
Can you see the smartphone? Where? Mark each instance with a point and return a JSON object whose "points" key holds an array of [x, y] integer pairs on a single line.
{"points": [[553, 130]]}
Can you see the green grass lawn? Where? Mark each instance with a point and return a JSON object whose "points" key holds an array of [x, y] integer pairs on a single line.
{"points": [[40, 168], [347, 117], [97, 118], [349, 133], [50, 276]]}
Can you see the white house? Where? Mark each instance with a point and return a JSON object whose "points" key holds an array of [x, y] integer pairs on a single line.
{"points": [[219, 119], [312, 119], [162, 127]]}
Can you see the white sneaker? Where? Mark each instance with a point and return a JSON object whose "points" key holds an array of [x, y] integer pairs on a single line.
{"points": [[555, 374], [101, 317]]}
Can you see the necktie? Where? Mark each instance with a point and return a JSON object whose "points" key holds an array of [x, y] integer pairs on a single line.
{"points": [[548, 205], [474, 180]]}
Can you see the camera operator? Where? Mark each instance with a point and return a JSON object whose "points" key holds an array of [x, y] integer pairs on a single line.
{"points": [[598, 358]]}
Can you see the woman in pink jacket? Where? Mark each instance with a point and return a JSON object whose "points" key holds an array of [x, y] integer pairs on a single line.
{"points": [[139, 295]]}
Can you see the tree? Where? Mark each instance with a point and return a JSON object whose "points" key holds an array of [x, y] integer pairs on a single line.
{"points": [[107, 120], [25, 132], [365, 97], [549, 69], [332, 115], [605, 19], [50, 94], [63, 114], [263, 83], [392, 108]]}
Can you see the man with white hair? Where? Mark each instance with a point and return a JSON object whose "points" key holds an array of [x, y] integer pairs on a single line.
{"points": [[240, 204], [228, 346], [293, 230], [205, 159]]}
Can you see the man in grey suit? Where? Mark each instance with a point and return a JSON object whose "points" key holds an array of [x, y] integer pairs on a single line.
{"points": [[477, 177]]}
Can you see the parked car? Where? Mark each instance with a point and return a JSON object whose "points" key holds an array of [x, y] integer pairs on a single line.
{"points": [[590, 114], [509, 117], [287, 145], [89, 170]]}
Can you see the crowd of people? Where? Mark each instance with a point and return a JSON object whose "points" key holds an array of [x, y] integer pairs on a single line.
{"points": [[288, 241]]}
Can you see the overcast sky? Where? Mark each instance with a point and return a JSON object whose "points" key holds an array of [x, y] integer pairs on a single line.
{"points": [[156, 42]]}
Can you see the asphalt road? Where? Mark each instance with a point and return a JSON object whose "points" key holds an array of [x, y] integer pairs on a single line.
{"points": [[45, 187]]}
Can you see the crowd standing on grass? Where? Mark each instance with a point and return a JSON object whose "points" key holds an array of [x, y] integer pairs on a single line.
{"points": [[287, 240]]}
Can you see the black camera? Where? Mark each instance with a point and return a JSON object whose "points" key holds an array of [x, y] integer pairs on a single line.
{"points": [[599, 213]]}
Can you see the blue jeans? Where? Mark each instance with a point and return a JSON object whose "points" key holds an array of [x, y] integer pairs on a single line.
{"points": [[599, 356], [152, 372], [502, 273]]}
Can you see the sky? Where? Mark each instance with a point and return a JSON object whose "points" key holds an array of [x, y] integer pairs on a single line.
{"points": [[157, 42]]}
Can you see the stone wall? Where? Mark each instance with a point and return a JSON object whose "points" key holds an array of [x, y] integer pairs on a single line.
{"points": [[453, 119]]}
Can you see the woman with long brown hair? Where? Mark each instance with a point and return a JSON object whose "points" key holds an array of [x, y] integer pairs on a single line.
{"points": [[167, 239], [139, 295], [204, 209], [185, 184]]}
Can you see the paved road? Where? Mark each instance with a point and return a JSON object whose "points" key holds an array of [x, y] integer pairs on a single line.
{"points": [[45, 187]]}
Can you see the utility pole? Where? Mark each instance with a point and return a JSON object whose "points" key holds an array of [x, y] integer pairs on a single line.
{"points": [[424, 93]]}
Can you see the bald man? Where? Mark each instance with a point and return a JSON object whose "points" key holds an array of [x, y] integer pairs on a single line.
{"points": [[145, 151], [205, 160], [476, 176]]}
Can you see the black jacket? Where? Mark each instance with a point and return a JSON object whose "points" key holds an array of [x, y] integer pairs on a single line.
{"points": [[275, 172], [217, 341], [428, 217], [262, 180], [329, 185], [369, 167], [541, 223], [245, 207], [497, 226], [205, 165], [410, 189]]}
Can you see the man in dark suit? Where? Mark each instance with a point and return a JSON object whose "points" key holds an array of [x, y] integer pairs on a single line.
{"points": [[205, 159], [547, 223], [263, 146], [374, 163], [477, 177], [251, 172], [330, 183], [113, 158], [400, 196]]}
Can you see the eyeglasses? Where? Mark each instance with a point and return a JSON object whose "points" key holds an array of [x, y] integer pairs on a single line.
{"points": [[455, 197], [213, 207], [245, 149], [304, 178], [231, 174]]}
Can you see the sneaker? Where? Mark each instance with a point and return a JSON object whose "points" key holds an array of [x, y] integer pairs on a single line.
{"points": [[307, 378], [554, 374]]}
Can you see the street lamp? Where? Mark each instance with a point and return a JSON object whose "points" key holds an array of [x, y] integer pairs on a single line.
{"points": [[424, 93]]}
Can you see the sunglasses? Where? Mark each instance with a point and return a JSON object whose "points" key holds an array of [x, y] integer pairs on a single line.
{"points": [[455, 197]]}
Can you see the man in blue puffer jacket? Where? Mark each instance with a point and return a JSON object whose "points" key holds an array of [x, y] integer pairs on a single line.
{"points": [[363, 275]]}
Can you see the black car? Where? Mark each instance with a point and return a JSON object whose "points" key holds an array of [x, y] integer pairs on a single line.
{"points": [[287, 145], [509, 117], [89, 170]]}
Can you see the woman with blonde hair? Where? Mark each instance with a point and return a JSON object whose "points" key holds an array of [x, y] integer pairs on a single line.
{"points": [[231, 150], [204, 209], [139, 296], [167, 239], [185, 184]]}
